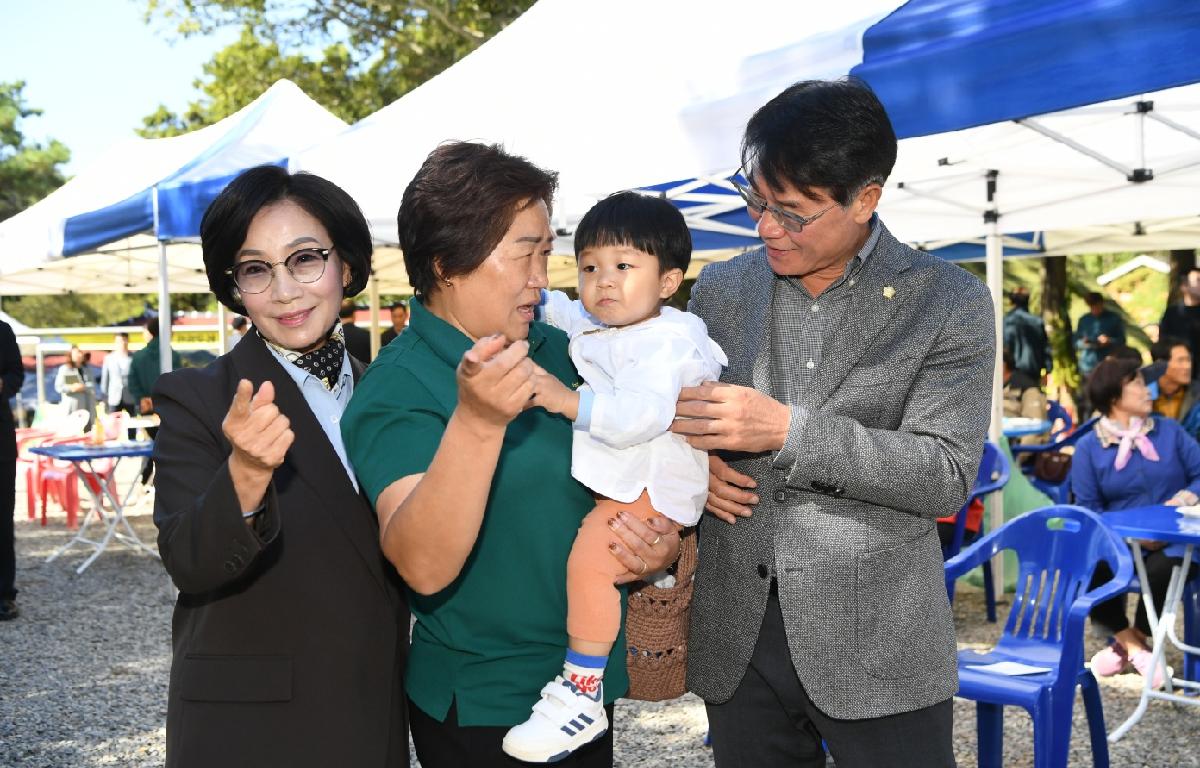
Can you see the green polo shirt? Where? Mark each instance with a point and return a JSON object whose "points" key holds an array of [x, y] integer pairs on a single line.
{"points": [[497, 634]]}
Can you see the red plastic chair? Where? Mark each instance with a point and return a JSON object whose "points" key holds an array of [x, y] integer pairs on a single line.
{"points": [[60, 480], [64, 426], [28, 463]]}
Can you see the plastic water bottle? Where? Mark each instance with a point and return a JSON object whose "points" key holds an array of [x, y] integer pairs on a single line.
{"points": [[98, 426]]}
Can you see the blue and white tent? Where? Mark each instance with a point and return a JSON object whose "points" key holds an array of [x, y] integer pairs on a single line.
{"points": [[1073, 125], [123, 225], [146, 190]]}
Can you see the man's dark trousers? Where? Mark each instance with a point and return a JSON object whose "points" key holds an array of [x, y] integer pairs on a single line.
{"points": [[771, 721]]}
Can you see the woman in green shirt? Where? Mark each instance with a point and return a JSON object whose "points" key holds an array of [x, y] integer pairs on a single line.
{"points": [[470, 479]]}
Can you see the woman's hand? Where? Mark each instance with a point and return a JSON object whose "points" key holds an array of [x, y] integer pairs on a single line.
{"points": [[260, 435], [1182, 498], [495, 383], [644, 548], [729, 496]]}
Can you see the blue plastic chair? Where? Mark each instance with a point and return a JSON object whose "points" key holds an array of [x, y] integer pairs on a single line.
{"points": [[992, 476], [1060, 493], [1057, 548], [1055, 412]]}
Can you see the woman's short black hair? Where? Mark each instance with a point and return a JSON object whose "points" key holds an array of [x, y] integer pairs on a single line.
{"points": [[648, 224], [457, 208], [1106, 382], [225, 223], [827, 134]]}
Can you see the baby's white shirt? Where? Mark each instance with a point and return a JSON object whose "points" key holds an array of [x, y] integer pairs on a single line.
{"points": [[622, 443]]}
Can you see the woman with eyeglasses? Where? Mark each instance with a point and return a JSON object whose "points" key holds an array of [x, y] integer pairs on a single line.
{"points": [[291, 630]]}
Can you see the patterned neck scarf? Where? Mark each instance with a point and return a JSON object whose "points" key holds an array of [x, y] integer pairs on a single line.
{"points": [[1127, 440], [325, 362]]}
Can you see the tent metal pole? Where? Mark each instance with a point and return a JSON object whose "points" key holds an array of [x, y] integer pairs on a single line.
{"points": [[39, 365], [1033, 125], [164, 296], [995, 282], [1140, 132], [222, 329], [164, 310], [1172, 124]]}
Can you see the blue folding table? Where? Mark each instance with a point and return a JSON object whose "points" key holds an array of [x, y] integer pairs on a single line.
{"points": [[83, 456]]}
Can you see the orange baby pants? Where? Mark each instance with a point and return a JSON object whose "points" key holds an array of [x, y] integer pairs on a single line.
{"points": [[593, 602]]}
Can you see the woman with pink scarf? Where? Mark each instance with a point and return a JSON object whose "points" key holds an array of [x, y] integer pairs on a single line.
{"points": [[1132, 459]]}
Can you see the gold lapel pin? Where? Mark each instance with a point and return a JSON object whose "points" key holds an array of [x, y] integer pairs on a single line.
{"points": [[888, 291]]}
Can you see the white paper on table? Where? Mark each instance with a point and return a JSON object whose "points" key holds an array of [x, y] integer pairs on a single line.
{"points": [[1010, 668], [1021, 421], [1190, 511]]}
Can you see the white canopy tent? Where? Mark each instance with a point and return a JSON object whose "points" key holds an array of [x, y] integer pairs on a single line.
{"points": [[628, 103], [1111, 165], [130, 265]]}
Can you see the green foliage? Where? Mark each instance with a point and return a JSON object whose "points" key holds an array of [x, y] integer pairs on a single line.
{"points": [[352, 56], [78, 310], [73, 310], [28, 170], [1139, 297]]}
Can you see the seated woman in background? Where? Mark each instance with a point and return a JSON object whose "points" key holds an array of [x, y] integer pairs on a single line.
{"points": [[1132, 459]]}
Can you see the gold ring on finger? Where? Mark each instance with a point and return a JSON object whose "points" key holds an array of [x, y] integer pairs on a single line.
{"points": [[657, 539], [643, 571]]}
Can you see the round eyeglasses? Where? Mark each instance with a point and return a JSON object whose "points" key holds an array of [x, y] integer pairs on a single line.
{"points": [[255, 276], [792, 222]]}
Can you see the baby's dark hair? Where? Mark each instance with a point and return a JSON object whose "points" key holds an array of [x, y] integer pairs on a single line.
{"points": [[648, 224]]}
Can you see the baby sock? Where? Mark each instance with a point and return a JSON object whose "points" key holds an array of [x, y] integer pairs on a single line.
{"points": [[585, 672]]}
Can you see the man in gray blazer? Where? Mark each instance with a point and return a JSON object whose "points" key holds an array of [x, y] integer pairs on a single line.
{"points": [[851, 416]]}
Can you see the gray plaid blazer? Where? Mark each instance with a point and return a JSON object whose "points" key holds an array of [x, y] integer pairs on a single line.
{"points": [[893, 437]]}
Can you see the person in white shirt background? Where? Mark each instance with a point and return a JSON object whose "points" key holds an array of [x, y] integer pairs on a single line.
{"points": [[114, 376], [634, 354]]}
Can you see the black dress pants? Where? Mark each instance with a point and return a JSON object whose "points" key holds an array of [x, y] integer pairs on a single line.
{"points": [[450, 745], [8, 494], [1111, 614], [771, 721]]}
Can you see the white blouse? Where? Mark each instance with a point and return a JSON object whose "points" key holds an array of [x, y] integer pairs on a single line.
{"points": [[633, 374]]}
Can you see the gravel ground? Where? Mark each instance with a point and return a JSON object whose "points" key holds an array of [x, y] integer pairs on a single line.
{"points": [[83, 675]]}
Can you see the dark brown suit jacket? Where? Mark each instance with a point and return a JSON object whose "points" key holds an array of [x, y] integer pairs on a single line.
{"points": [[289, 637]]}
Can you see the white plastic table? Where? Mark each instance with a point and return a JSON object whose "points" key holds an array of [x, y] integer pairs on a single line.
{"points": [[1021, 427], [112, 515], [1159, 523]]}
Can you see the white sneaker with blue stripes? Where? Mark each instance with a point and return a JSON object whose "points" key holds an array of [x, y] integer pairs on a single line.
{"points": [[564, 719]]}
